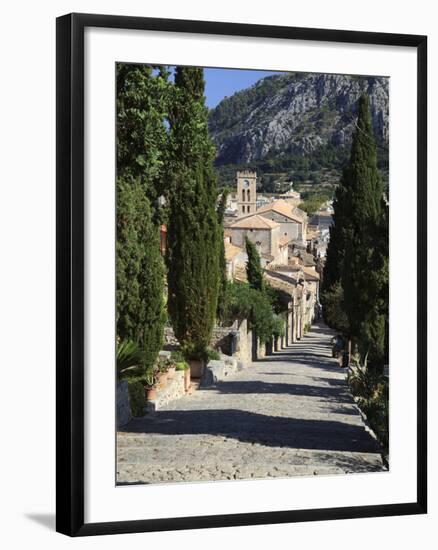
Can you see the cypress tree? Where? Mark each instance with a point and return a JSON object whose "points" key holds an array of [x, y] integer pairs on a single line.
{"points": [[355, 283], [332, 292], [141, 137], [222, 297], [365, 263], [139, 271], [254, 270], [143, 94], [193, 233]]}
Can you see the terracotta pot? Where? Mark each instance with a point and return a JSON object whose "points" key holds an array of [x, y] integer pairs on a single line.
{"points": [[151, 393], [196, 368]]}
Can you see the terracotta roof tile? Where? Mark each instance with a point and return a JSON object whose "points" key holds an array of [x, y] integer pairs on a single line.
{"points": [[254, 222], [231, 250], [285, 209]]}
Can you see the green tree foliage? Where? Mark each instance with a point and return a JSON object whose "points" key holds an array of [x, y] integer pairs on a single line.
{"points": [[336, 246], [143, 95], [313, 203], [141, 146], [254, 271], [221, 305], [139, 271], [364, 273], [334, 313], [240, 105], [357, 256], [245, 302], [193, 233]]}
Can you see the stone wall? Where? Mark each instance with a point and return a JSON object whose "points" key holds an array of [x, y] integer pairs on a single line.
{"points": [[170, 340], [243, 343], [261, 350], [218, 370], [222, 338], [171, 390]]}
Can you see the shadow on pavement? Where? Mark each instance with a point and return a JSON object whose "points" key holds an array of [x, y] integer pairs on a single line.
{"points": [[258, 429]]}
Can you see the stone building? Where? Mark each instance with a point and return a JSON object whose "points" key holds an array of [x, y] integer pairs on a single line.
{"points": [[264, 233], [300, 291], [246, 192], [292, 220], [302, 283], [234, 257]]}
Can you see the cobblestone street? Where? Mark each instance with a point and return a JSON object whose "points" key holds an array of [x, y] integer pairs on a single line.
{"points": [[288, 414]]}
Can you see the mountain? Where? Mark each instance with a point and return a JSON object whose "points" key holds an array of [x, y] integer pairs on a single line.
{"points": [[285, 119]]}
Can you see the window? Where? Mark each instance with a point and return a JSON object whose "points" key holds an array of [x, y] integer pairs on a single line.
{"points": [[243, 195], [248, 195]]}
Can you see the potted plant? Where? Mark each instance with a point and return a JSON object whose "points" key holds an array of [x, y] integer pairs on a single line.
{"points": [[196, 359], [171, 368], [150, 385], [161, 372]]}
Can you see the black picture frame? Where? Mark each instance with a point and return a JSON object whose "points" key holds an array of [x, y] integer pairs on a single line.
{"points": [[70, 273]]}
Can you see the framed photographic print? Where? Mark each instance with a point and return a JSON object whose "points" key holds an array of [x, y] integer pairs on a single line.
{"points": [[239, 338]]}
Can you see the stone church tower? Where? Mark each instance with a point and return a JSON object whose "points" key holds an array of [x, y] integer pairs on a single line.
{"points": [[246, 192]]}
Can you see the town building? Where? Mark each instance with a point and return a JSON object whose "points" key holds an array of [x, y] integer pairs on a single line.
{"points": [[235, 256], [292, 220], [264, 234], [246, 181]]}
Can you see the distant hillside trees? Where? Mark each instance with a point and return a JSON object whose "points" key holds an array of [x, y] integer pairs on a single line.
{"points": [[355, 289]]}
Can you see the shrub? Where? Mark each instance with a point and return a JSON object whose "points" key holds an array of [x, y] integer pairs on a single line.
{"points": [[177, 356], [191, 352], [279, 327], [212, 355], [245, 302], [129, 358], [136, 397], [149, 378], [372, 392], [163, 365], [182, 365]]}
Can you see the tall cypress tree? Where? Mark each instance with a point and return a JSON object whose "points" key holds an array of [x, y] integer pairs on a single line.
{"points": [[332, 292], [355, 283], [139, 271], [143, 94], [193, 232], [254, 270], [141, 138], [222, 297], [364, 270]]}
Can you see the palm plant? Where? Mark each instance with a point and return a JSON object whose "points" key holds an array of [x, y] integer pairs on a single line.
{"points": [[129, 357]]}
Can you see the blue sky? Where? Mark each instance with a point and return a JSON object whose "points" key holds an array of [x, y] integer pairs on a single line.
{"points": [[220, 83]]}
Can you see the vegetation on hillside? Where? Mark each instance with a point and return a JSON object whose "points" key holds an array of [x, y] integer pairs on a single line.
{"points": [[313, 146]]}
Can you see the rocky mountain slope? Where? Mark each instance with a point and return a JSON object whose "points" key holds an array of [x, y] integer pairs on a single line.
{"points": [[296, 115]]}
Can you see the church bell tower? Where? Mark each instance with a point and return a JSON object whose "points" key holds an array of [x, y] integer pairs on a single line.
{"points": [[246, 192]]}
